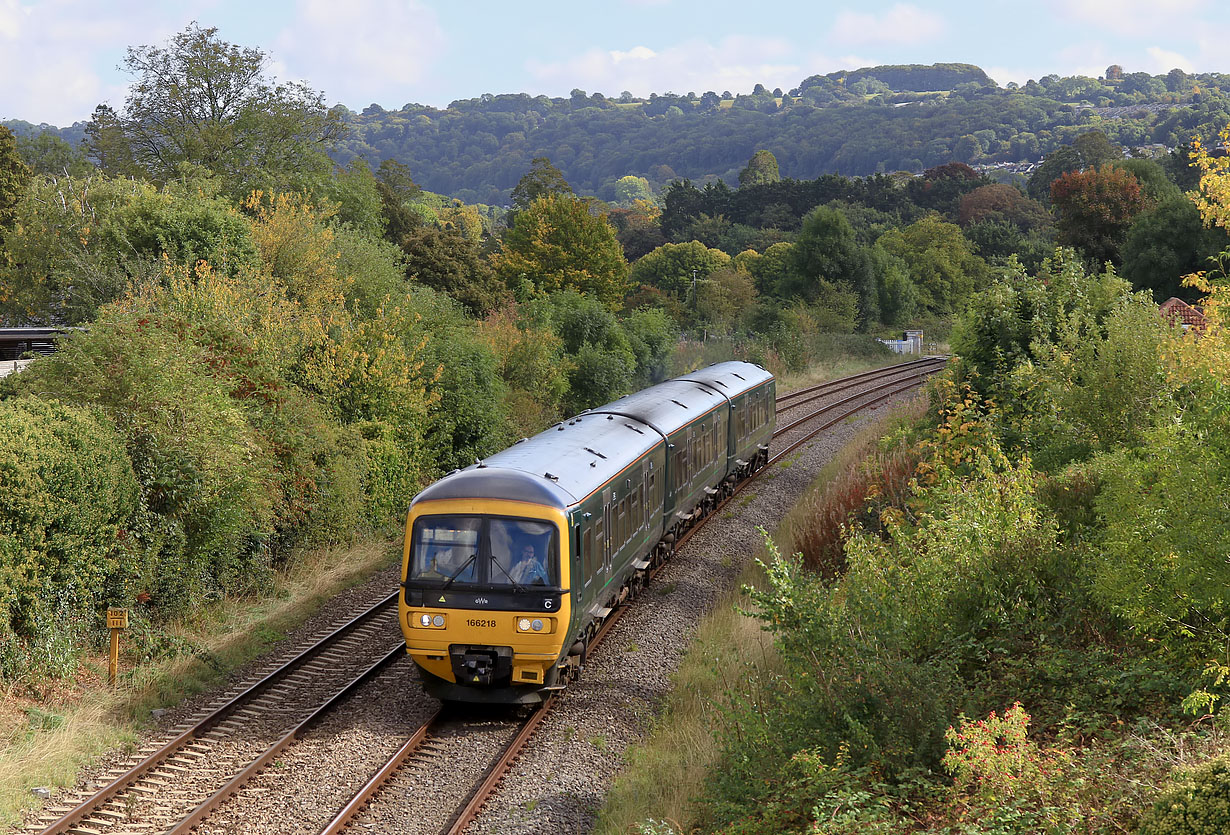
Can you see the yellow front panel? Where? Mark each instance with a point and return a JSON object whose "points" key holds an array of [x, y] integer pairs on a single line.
{"points": [[428, 646]]}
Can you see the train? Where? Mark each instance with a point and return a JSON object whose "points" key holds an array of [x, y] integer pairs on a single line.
{"points": [[511, 565]]}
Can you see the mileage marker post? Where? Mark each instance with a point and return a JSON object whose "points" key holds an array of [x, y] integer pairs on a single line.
{"points": [[117, 619]]}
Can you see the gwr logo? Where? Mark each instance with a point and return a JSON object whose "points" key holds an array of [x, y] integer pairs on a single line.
{"points": [[481, 601]]}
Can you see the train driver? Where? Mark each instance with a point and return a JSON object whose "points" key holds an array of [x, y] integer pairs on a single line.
{"points": [[530, 568]]}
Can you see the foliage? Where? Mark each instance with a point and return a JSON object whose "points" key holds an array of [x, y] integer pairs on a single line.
{"points": [[448, 262], [1095, 209], [1196, 801], [64, 527], [80, 243], [672, 268], [542, 180], [558, 245], [761, 169], [48, 154], [14, 177], [200, 101], [941, 263], [825, 255], [1166, 243]]}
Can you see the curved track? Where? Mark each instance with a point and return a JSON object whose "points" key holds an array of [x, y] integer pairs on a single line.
{"points": [[897, 379], [177, 785]]}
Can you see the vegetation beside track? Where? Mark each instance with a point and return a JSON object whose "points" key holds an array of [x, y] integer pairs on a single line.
{"points": [[1012, 616], [61, 725]]}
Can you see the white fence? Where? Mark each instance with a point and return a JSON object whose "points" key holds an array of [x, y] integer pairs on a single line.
{"points": [[8, 367]]}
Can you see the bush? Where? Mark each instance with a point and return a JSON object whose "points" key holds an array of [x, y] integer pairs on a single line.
{"points": [[1196, 802], [69, 492]]}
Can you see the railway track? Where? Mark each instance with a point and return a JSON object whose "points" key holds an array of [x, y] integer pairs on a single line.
{"points": [[899, 379], [177, 785]]}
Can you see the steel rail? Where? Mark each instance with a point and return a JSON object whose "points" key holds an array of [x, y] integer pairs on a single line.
{"points": [[781, 430], [854, 378], [82, 810], [253, 768], [897, 370]]}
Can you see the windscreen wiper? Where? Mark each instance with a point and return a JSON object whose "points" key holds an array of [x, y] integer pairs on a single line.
{"points": [[457, 573], [516, 585]]}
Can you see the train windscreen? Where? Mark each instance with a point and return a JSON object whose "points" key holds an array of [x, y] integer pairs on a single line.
{"points": [[484, 550]]}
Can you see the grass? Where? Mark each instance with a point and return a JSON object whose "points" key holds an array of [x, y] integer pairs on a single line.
{"points": [[48, 736], [666, 770]]}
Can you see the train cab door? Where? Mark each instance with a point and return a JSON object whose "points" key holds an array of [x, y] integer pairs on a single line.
{"points": [[608, 515]]}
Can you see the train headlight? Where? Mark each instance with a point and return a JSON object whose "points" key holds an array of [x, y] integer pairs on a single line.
{"points": [[437, 621], [544, 625], [537, 625], [523, 625], [425, 620]]}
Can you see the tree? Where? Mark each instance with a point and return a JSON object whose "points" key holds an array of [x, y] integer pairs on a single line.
{"points": [[107, 145], [204, 102], [557, 244], [1089, 150], [761, 168], [14, 176], [48, 154], [827, 251], [541, 180], [1095, 208], [630, 189], [941, 263], [1166, 243], [445, 261], [672, 267], [1001, 202]]}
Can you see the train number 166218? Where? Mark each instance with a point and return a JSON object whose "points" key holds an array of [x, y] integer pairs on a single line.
{"points": [[480, 622]]}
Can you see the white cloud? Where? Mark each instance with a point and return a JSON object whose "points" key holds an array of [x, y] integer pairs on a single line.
{"points": [[49, 54], [361, 51], [902, 24], [735, 63], [1163, 61], [1133, 17]]}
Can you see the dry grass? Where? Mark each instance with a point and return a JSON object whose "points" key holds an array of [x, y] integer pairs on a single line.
{"points": [[49, 736], [664, 773]]}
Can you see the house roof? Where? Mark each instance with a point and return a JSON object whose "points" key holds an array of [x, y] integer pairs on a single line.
{"points": [[1178, 312]]}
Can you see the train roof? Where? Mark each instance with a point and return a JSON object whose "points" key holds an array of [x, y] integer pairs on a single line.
{"points": [[569, 461], [730, 378], [558, 467]]}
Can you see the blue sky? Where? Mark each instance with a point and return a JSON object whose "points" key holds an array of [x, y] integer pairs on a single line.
{"points": [[59, 58]]}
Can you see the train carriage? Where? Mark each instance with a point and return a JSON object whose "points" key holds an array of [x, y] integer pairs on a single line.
{"points": [[510, 565]]}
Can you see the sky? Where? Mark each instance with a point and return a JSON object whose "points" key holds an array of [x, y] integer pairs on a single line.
{"points": [[60, 58]]}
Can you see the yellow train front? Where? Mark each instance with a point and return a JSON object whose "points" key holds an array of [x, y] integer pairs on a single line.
{"points": [[479, 624], [511, 565]]}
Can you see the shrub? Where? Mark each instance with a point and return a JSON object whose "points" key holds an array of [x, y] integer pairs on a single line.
{"points": [[68, 495], [1195, 802]]}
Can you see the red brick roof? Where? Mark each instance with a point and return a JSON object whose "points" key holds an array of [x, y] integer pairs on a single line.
{"points": [[1179, 312]]}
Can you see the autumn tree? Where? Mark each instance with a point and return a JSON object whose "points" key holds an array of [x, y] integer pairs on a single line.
{"points": [[1001, 202], [1089, 150], [204, 102], [557, 244], [1095, 209]]}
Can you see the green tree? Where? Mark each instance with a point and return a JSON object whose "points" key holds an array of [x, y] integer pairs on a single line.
{"points": [[1089, 150], [827, 250], [672, 267], [761, 169], [47, 153], [446, 261], [1166, 243], [557, 244], [629, 189], [106, 145], [941, 262], [202, 101], [14, 177], [542, 180]]}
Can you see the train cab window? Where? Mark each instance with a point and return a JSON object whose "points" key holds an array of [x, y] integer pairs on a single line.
{"points": [[487, 550]]}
